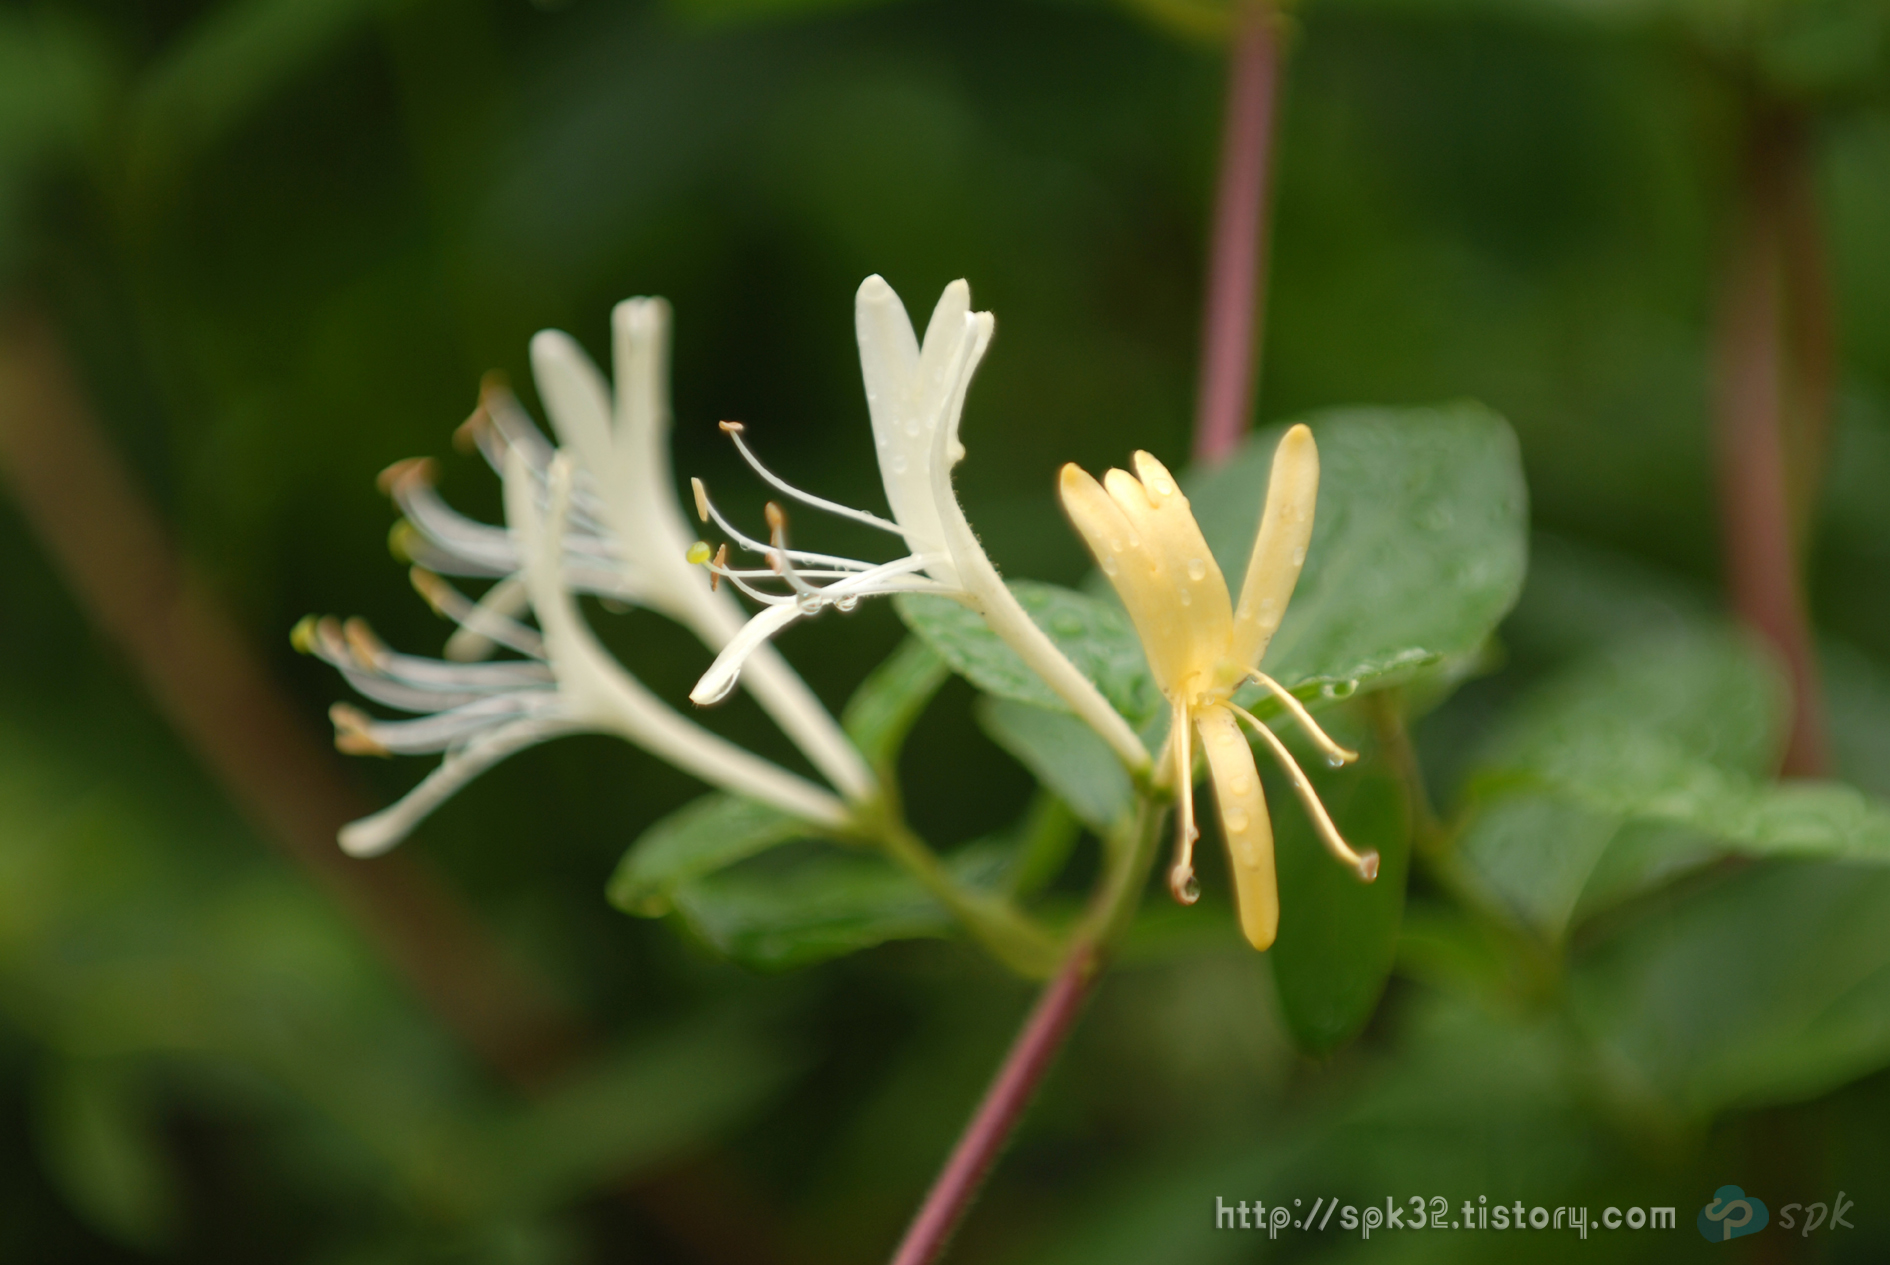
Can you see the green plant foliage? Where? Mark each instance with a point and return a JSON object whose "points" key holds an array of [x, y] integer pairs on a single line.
{"points": [[1066, 756], [1644, 761], [882, 711], [825, 905], [1772, 986], [1094, 635], [1419, 542], [1338, 936], [701, 837]]}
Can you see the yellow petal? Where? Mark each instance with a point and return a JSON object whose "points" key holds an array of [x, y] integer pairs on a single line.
{"points": [[1244, 823], [1135, 571], [1279, 549]]}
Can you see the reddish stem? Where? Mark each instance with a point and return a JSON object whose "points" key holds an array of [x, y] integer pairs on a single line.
{"points": [[1758, 384], [1232, 319], [1003, 1106]]}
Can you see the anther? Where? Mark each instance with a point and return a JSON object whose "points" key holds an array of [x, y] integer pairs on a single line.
{"points": [[351, 731], [698, 553], [368, 649], [717, 566], [702, 499], [732, 428], [409, 469], [302, 636]]}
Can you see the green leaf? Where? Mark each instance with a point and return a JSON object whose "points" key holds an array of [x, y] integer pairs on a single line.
{"points": [[828, 904], [1419, 542], [882, 711], [1066, 756], [1773, 986], [699, 838], [628, 1111], [105, 1152], [1669, 735], [1095, 635], [1338, 936]]}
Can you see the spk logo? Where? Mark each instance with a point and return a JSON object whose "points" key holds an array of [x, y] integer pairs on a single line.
{"points": [[1731, 1214]]}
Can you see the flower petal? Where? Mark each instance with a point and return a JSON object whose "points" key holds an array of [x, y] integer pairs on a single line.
{"points": [[1279, 548], [1244, 823], [903, 426]]}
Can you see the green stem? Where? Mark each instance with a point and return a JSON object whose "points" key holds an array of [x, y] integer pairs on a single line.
{"points": [[1017, 940]]}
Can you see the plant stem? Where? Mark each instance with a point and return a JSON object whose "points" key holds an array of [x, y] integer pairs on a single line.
{"points": [[1023, 1068], [1757, 386], [1233, 317], [1016, 939], [1128, 854]]}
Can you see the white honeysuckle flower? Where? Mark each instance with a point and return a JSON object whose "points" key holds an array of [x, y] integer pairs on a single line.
{"points": [[915, 394], [479, 713], [626, 538]]}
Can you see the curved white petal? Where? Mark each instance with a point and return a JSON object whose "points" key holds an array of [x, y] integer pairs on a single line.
{"points": [[720, 679], [895, 370], [595, 689], [375, 834]]}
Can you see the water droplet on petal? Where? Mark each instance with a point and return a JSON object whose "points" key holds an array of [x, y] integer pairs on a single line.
{"points": [[1299, 556], [1163, 487], [1240, 784], [847, 603], [809, 603], [1109, 566], [898, 463], [1186, 598], [1335, 762], [913, 428], [1237, 822], [1197, 568]]}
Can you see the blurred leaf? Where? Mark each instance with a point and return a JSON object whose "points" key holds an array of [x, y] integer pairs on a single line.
{"points": [[882, 711], [633, 1109], [716, 14], [103, 1149], [826, 905], [1419, 542], [1096, 636], [1066, 756], [699, 838], [1338, 936], [1536, 854], [1772, 986], [226, 66], [1672, 730]]}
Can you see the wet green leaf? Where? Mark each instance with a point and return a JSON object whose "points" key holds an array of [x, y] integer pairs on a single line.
{"points": [[1419, 542], [1095, 635], [1066, 756], [1338, 936]]}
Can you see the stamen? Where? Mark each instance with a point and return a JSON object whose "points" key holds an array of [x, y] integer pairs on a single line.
{"points": [[702, 498], [483, 623], [1335, 754], [783, 563], [749, 543], [406, 472], [718, 566], [734, 431], [1181, 882], [351, 731], [1366, 863]]}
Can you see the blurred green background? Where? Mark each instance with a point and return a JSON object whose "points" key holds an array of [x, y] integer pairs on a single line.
{"points": [[281, 240]]}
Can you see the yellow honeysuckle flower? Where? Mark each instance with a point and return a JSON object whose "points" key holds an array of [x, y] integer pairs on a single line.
{"points": [[1202, 646]]}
